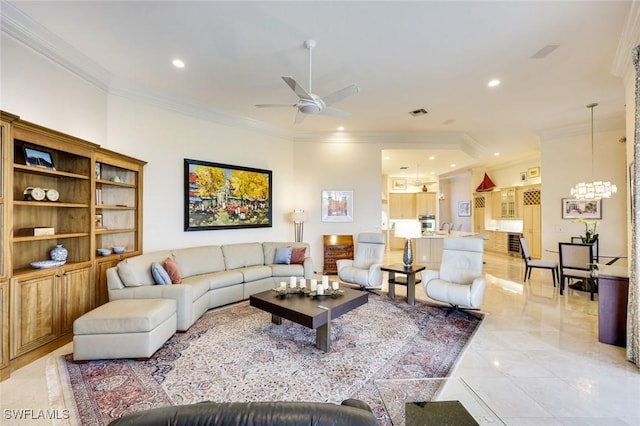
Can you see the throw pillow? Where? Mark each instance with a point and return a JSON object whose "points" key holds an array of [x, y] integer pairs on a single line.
{"points": [[297, 255], [128, 275], [160, 276], [173, 270], [283, 255]]}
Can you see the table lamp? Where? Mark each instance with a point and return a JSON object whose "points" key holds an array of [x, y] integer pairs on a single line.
{"points": [[408, 229], [298, 217]]}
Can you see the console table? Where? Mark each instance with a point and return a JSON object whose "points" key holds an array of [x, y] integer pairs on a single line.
{"points": [[408, 279], [336, 247]]}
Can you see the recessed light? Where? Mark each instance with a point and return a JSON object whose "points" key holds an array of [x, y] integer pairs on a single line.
{"points": [[177, 63], [386, 157], [452, 165], [340, 128], [495, 82], [432, 158], [496, 154]]}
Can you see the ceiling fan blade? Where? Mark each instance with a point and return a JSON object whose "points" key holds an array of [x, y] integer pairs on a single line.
{"points": [[335, 112], [299, 117], [302, 94], [340, 94], [275, 105]]}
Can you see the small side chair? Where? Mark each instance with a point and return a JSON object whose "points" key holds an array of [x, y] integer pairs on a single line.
{"points": [[364, 269], [535, 263]]}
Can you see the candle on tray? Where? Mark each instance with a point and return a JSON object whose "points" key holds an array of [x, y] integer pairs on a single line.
{"points": [[292, 282], [283, 284], [320, 290], [303, 283], [314, 284], [335, 285], [325, 281]]}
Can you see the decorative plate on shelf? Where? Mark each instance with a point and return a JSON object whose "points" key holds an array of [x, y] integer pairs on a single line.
{"points": [[44, 264]]}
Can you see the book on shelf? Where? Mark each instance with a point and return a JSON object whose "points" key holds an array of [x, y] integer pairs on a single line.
{"points": [[35, 232], [98, 197]]}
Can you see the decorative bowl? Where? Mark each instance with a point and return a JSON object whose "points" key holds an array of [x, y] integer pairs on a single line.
{"points": [[118, 249], [104, 251], [44, 264]]}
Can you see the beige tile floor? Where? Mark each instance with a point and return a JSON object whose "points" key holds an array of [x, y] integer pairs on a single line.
{"points": [[536, 360]]}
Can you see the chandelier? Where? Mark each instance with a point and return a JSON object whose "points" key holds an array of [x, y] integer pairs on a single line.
{"points": [[596, 189]]}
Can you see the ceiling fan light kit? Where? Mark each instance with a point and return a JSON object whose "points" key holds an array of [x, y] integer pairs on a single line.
{"points": [[310, 103]]}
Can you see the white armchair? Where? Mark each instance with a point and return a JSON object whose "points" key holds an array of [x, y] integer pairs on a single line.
{"points": [[459, 281], [364, 269]]}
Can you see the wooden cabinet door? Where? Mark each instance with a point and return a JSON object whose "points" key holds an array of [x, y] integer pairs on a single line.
{"points": [[479, 211], [75, 296], [496, 205], [101, 291], [426, 203], [402, 206], [33, 313], [4, 325], [532, 222]]}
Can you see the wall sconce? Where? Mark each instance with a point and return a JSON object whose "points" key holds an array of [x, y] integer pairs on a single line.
{"points": [[298, 217], [441, 197]]}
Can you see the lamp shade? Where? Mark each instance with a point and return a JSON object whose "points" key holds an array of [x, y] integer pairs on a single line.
{"points": [[297, 216], [408, 229]]}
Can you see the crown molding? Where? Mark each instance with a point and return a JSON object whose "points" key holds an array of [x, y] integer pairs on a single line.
{"points": [[629, 39], [601, 125], [24, 29]]}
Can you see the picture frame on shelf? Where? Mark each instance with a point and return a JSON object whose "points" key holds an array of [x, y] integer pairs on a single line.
{"points": [[398, 184], [98, 171], [573, 208], [337, 206], [37, 157], [223, 196], [523, 176], [98, 222], [464, 208]]}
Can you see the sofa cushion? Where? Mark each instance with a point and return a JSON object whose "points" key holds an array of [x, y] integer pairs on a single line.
{"points": [[199, 285], [224, 279], [242, 255], [292, 270], [160, 275], [283, 255], [173, 270], [254, 273], [298, 255], [270, 247], [199, 260], [135, 271]]}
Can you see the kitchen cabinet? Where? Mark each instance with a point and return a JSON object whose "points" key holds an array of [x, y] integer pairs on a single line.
{"points": [[402, 206], [479, 212], [532, 221], [426, 203], [504, 204]]}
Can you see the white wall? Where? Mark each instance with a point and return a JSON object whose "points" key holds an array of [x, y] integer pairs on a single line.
{"points": [[566, 161], [164, 139], [42, 92]]}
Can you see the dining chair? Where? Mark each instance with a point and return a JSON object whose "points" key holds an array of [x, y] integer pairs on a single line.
{"points": [[596, 251], [530, 263], [575, 262]]}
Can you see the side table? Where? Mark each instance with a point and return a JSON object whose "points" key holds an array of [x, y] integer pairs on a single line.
{"points": [[408, 279]]}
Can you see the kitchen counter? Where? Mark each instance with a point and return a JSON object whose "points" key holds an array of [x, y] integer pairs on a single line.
{"points": [[452, 234]]}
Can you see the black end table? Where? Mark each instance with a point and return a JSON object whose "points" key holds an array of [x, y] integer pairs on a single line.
{"points": [[408, 279]]}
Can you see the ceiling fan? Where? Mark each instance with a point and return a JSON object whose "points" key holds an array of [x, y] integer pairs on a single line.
{"points": [[310, 103], [419, 182]]}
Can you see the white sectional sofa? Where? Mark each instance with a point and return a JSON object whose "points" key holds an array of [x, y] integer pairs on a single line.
{"points": [[212, 276]]}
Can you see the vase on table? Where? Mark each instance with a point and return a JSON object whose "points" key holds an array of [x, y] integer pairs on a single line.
{"points": [[59, 253]]}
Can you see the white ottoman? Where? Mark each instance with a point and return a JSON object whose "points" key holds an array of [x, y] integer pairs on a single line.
{"points": [[127, 328]]}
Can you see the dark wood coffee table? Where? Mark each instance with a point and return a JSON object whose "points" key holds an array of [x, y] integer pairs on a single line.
{"points": [[315, 313]]}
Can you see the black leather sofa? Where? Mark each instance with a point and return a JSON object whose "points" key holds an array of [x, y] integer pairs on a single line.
{"points": [[351, 412]]}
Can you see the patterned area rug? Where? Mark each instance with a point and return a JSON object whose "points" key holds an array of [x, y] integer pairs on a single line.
{"points": [[238, 354]]}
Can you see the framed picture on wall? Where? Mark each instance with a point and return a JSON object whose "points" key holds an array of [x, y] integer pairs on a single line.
{"points": [[464, 208], [222, 196], [398, 184], [581, 209], [533, 172], [337, 206]]}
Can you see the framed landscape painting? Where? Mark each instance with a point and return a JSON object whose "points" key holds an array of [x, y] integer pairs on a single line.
{"points": [[222, 196], [581, 209], [337, 206]]}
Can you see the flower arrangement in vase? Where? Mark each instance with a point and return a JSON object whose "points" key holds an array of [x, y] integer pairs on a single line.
{"points": [[590, 235]]}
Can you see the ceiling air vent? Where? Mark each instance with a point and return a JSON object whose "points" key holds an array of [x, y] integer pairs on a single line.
{"points": [[417, 112]]}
